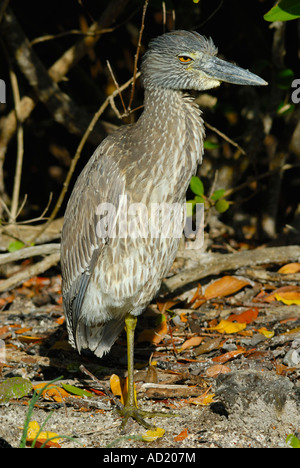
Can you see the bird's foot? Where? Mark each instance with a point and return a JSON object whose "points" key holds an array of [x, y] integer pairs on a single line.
{"points": [[131, 411]]}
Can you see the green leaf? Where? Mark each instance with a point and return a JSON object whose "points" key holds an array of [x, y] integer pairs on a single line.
{"points": [[16, 245], [15, 387], [222, 205], [196, 186], [286, 10], [292, 441], [75, 390], [217, 194], [210, 145], [285, 78], [199, 199]]}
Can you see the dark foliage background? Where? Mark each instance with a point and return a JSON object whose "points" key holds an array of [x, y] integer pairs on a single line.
{"points": [[262, 208]]}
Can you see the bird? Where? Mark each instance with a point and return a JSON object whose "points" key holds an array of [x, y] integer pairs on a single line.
{"points": [[112, 261]]}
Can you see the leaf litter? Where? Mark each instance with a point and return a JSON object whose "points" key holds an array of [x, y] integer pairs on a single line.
{"points": [[186, 349]]}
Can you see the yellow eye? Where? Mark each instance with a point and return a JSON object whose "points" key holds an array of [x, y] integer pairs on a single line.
{"points": [[185, 58]]}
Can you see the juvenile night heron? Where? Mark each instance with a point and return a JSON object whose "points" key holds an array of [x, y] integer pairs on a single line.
{"points": [[110, 277]]}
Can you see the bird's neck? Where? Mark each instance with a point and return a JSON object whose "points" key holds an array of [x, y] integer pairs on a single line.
{"points": [[164, 107], [172, 120]]}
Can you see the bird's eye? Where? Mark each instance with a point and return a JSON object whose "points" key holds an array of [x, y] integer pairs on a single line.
{"points": [[185, 59]]}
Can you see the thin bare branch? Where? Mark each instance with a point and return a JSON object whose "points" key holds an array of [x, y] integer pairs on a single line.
{"points": [[74, 32], [118, 88], [136, 57], [225, 137]]}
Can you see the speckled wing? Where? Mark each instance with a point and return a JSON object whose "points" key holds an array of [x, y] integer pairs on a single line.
{"points": [[81, 247]]}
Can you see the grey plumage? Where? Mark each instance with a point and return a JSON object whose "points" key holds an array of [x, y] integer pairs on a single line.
{"points": [[151, 161]]}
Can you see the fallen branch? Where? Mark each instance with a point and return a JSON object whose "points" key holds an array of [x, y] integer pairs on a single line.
{"points": [[27, 252], [213, 263], [25, 233], [32, 270]]}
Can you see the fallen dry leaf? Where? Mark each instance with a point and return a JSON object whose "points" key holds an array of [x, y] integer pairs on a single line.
{"points": [[53, 392], [288, 297], [203, 400], [197, 293], [33, 431], [263, 297], [209, 345], [266, 333], [191, 342], [119, 387], [229, 355], [245, 317], [290, 268], [225, 326], [224, 287], [152, 435], [163, 306], [216, 369], [183, 435]]}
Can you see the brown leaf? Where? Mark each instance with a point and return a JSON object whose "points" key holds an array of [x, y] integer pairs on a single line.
{"points": [[245, 317], [163, 306], [230, 355], [271, 297], [208, 346], [289, 268], [217, 369], [224, 287], [194, 341]]}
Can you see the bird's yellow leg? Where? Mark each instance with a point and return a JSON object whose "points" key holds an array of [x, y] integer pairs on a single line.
{"points": [[130, 410]]}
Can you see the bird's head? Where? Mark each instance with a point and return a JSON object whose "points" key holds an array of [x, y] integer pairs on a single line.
{"points": [[187, 60]]}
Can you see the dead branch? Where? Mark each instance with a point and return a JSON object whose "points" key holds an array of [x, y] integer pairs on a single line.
{"points": [[32, 270], [212, 263], [25, 233], [28, 252]]}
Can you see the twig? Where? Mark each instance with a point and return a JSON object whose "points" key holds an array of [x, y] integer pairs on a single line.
{"points": [[117, 87], [50, 37], [136, 57], [225, 137], [284, 168]]}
